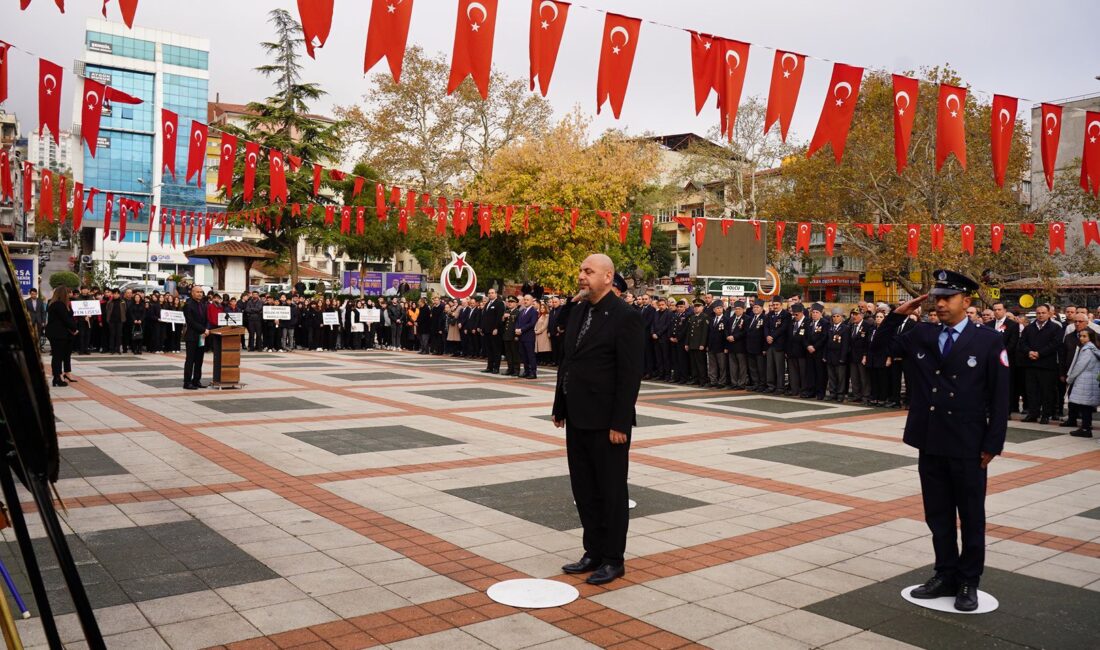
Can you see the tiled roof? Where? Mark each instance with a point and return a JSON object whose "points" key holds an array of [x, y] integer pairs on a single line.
{"points": [[230, 248]]}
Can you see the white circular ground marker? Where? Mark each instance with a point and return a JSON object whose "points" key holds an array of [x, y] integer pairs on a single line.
{"points": [[533, 593], [631, 504], [986, 602]]}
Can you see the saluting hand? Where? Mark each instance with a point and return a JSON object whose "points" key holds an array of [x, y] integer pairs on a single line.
{"points": [[910, 307]]}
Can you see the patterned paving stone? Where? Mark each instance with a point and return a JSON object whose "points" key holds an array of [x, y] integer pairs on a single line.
{"points": [[260, 404], [174, 382], [643, 421], [85, 462], [304, 364], [1091, 514], [825, 457], [466, 394], [363, 440], [777, 406], [1021, 435], [133, 370], [370, 376]]}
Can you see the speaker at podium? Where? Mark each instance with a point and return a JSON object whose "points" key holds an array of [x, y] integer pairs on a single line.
{"points": [[227, 356]]}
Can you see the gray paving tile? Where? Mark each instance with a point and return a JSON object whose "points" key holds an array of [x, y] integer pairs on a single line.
{"points": [[150, 367], [643, 420], [371, 439], [260, 405], [369, 376], [770, 405], [549, 501], [826, 457], [174, 382], [85, 462], [1091, 514], [305, 364], [464, 394], [1020, 434]]}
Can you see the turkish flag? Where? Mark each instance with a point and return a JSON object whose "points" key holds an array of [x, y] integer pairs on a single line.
{"points": [[107, 210], [316, 179], [226, 163], [360, 226], [49, 98], [547, 26], [1057, 235], [293, 163], [28, 186], [509, 212], [605, 215], [620, 41], [484, 220], [395, 195], [906, 90], [380, 207], [574, 214], [403, 220], [937, 237], [996, 236], [950, 125], [345, 220], [209, 219], [755, 228], [336, 175], [128, 9], [95, 96], [624, 226], [699, 229], [647, 229], [1090, 158], [836, 114], [90, 206], [441, 216], [330, 214], [123, 209], [461, 219], [884, 229], [172, 229], [1091, 232], [703, 54], [727, 224], [1028, 229], [388, 34], [4, 71], [78, 205], [278, 190], [830, 238], [357, 186], [6, 191], [1003, 124], [913, 239], [967, 237], [730, 80], [163, 224], [1052, 131], [169, 126], [251, 159], [802, 240], [780, 227], [684, 221], [316, 18], [473, 50], [196, 153], [45, 195], [787, 69], [867, 228]]}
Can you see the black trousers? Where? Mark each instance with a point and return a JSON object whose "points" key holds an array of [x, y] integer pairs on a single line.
{"points": [[530, 363], [649, 358], [493, 348], [84, 334], [758, 370], [114, 343], [681, 365], [192, 366], [1042, 391], [698, 366], [776, 364], [660, 358], [511, 353], [798, 371], [1076, 411], [951, 486], [597, 473], [880, 383], [61, 355], [895, 380], [255, 327], [820, 374]]}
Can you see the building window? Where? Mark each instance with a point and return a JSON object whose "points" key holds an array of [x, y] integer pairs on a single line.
{"points": [[400, 266]]}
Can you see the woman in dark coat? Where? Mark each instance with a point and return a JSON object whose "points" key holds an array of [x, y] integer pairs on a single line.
{"points": [[60, 330], [135, 315], [878, 367], [154, 341]]}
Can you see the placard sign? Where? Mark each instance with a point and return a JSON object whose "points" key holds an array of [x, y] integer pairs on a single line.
{"points": [[170, 316], [370, 315], [357, 327], [276, 312], [86, 308], [225, 320], [330, 318]]}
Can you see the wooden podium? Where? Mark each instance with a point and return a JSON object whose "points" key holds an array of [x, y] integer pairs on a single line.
{"points": [[227, 356]]}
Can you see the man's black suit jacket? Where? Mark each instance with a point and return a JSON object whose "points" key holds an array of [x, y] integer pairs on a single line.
{"points": [[194, 313], [599, 378]]}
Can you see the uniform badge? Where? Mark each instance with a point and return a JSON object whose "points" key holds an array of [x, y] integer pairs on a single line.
{"points": [[920, 355], [972, 362], [1004, 358]]}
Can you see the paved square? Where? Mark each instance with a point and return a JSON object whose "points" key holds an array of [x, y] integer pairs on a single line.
{"points": [[370, 376], [371, 439], [84, 462], [260, 404], [143, 368], [837, 459], [465, 394]]}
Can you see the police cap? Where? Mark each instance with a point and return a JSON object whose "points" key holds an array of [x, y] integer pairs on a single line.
{"points": [[618, 282], [949, 283], [698, 303]]}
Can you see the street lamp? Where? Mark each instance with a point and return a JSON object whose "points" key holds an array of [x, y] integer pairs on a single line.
{"points": [[149, 231]]}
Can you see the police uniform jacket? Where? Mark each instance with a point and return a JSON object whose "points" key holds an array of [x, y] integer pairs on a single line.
{"points": [[958, 405], [680, 327], [838, 345], [1047, 341], [736, 329], [798, 338], [817, 335], [755, 343], [716, 332], [778, 327], [698, 330]]}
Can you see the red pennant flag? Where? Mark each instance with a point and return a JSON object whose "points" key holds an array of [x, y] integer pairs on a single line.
{"points": [[28, 186], [836, 114], [1090, 158], [1057, 236], [251, 160], [316, 179], [172, 226], [345, 220], [727, 223], [647, 229], [830, 238], [45, 196], [484, 220], [426, 204], [330, 214], [278, 191], [1028, 229], [950, 125], [441, 217], [336, 175], [410, 204], [107, 210], [1052, 131], [387, 35], [316, 21], [295, 210], [23, 4], [395, 195], [967, 236], [802, 240], [574, 214], [699, 229], [787, 69], [403, 220], [937, 237], [461, 218], [780, 227], [703, 54], [128, 9], [95, 96], [913, 239], [294, 163], [226, 162], [1003, 124], [380, 208], [547, 26], [755, 228], [196, 153], [6, 190], [996, 236], [624, 226], [605, 215], [906, 90], [730, 80], [473, 49], [3, 71], [357, 186], [163, 224], [884, 229], [169, 126], [360, 226], [509, 211], [867, 228], [620, 42], [90, 207], [78, 206], [49, 98], [1091, 232], [124, 207]]}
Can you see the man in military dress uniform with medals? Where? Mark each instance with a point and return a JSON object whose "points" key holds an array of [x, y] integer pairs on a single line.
{"points": [[957, 375]]}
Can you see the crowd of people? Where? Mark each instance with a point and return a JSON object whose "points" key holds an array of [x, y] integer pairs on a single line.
{"points": [[783, 347]]}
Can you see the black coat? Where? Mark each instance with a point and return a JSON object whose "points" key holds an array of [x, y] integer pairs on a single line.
{"points": [[60, 323], [1046, 341], [737, 327], [194, 314], [859, 341], [755, 343], [838, 345], [817, 335], [599, 378], [716, 332], [777, 326], [797, 338], [490, 316]]}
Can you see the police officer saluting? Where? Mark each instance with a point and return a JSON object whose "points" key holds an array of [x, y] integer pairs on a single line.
{"points": [[958, 378]]}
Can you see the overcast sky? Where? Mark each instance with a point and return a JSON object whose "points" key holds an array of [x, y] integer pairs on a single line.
{"points": [[1037, 51]]}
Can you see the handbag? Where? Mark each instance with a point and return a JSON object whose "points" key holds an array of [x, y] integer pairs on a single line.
{"points": [[138, 334]]}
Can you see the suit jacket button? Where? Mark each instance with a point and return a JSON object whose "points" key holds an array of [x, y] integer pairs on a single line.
{"points": [[937, 372], [934, 390], [951, 394], [949, 412], [931, 408]]}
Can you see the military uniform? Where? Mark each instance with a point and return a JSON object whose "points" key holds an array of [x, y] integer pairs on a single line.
{"points": [[508, 336], [735, 348], [777, 326], [817, 336], [859, 337], [798, 367], [698, 328], [837, 348], [756, 347], [681, 363]]}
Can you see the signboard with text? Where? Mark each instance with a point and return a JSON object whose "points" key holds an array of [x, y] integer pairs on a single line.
{"points": [[276, 312], [24, 273], [369, 283], [330, 318], [86, 308], [170, 316], [370, 315]]}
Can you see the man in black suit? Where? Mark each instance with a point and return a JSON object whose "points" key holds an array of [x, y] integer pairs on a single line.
{"points": [[756, 347], [658, 336], [490, 331], [958, 418], [1005, 323], [594, 400], [37, 309], [777, 324], [1040, 343], [525, 334], [735, 348], [194, 314], [798, 365], [648, 311]]}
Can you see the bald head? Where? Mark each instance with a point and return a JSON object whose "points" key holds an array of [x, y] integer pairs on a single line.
{"points": [[596, 274]]}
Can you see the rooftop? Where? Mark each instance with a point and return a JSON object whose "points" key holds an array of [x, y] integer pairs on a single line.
{"points": [[230, 248]]}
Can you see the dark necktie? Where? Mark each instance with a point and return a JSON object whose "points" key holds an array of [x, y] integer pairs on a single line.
{"points": [[585, 324], [950, 339]]}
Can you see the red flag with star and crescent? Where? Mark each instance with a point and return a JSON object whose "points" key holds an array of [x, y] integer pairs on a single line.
{"points": [[45, 196], [226, 162], [1091, 232], [1056, 233], [830, 238], [547, 26], [484, 220], [380, 207], [787, 69], [950, 125], [4, 47], [733, 60], [936, 237], [1090, 157], [702, 67], [624, 226], [316, 18], [49, 98], [78, 205], [699, 229], [727, 224], [441, 216], [802, 240], [251, 159], [6, 189], [1051, 133], [837, 112], [169, 127], [780, 227], [473, 49], [91, 111], [647, 229], [277, 193], [617, 48], [1002, 126], [196, 152], [966, 235], [388, 35], [906, 90], [107, 210], [996, 236], [913, 239]]}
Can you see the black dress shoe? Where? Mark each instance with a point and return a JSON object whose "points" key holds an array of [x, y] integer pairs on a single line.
{"points": [[202, 385], [586, 564], [190, 387], [967, 598], [486, 370], [1030, 418], [606, 574], [59, 383], [1044, 420], [1068, 424], [1081, 433], [936, 587]]}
